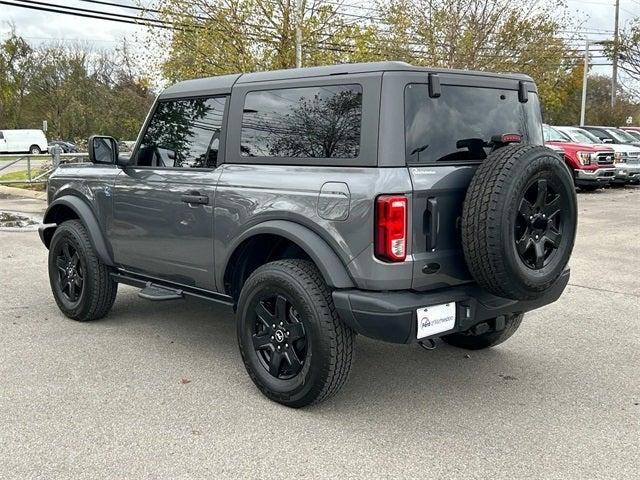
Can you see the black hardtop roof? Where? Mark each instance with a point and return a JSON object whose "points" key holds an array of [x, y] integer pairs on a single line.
{"points": [[223, 84]]}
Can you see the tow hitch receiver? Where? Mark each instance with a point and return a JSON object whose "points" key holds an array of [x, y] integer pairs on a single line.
{"points": [[428, 344]]}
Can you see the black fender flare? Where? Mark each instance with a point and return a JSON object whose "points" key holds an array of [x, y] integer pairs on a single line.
{"points": [[88, 219], [331, 267]]}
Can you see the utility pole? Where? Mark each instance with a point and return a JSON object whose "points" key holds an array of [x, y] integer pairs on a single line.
{"points": [[299, 18], [585, 74], [614, 73]]}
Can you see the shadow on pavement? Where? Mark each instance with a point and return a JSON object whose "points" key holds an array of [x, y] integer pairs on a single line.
{"points": [[385, 377]]}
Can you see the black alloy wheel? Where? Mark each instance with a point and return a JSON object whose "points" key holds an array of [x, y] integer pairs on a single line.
{"points": [[70, 269], [294, 346], [278, 336], [81, 284], [538, 227]]}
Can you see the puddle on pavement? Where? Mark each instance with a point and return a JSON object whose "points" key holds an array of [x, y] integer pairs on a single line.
{"points": [[15, 221]]}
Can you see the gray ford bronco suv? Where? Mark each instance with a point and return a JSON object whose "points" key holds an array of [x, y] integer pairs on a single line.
{"points": [[397, 202]]}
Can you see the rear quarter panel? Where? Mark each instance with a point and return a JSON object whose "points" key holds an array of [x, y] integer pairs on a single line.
{"points": [[248, 195]]}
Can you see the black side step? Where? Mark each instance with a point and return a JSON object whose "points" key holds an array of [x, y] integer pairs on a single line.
{"points": [[158, 293], [173, 290]]}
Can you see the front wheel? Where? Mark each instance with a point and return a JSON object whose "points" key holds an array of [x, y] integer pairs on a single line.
{"points": [[477, 341], [80, 282], [294, 347]]}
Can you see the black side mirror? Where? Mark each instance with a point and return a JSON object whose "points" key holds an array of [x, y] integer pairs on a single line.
{"points": [[103, 150]]}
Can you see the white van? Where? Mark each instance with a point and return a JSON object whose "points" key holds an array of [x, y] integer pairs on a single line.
{"points": [[23, 141]]}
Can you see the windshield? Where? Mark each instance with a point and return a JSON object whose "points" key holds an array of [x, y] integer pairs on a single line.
{"points": [[582, 136], [553, 135], [619, 135], [634, 134], [459, 124]]}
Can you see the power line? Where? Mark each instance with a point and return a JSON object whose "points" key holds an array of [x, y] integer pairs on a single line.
{"points": [[123, 18], [119, 5], [46, 7]]}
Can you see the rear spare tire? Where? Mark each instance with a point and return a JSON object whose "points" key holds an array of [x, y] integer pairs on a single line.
{"points": [[519, 221]]}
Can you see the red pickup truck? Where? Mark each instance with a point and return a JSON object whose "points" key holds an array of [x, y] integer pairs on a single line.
{"points": [[591, 164]]}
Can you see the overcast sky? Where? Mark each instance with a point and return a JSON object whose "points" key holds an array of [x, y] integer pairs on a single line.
{"points": [[596, 16]]}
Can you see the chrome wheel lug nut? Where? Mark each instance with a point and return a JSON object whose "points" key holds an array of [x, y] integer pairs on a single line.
{"points": [[536, 237], [273, 326], [272, 337]]}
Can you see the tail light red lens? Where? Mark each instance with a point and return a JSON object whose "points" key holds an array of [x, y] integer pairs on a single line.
{"points": [[391, 228]]}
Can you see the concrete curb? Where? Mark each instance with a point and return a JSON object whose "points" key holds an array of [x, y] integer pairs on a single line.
{"points": [[22, 192]]}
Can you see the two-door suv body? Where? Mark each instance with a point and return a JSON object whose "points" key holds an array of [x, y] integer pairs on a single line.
{"points": [[397, 202]]}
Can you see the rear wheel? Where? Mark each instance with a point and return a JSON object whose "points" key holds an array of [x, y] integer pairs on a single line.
{"points": [[470, 340], [80, 282], [294, 347], [35, 150]]}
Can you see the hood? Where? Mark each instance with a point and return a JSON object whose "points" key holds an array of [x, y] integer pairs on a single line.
{"points": [[621, 147], [587, 147]]}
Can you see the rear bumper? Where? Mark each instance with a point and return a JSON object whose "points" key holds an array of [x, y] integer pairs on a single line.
{"points": [[391, 316]]}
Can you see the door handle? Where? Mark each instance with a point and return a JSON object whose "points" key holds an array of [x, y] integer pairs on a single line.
{"points": [[195, 198]]}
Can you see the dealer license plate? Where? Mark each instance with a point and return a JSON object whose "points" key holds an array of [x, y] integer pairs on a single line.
{"points": [[436, 319]]}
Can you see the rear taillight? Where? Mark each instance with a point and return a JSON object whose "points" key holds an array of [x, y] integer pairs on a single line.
{"points": [[391, 228]]}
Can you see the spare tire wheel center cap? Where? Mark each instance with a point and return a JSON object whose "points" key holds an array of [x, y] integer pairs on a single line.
{"points": [[539, 222], [279, 334]]}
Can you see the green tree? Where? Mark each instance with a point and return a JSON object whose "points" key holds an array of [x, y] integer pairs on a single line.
{"points": [[230, 36], [495, 35], [77, 90], [17, 60]]}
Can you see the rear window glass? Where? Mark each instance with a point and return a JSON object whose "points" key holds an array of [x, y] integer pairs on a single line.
{"points": [[309, 122], [459, 125]]}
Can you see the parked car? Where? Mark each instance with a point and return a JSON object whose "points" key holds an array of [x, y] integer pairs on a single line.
{"points": [[633, 131], [592, 165], [627, 157], [23, 141], [67, 147], [320, 203], [611, 135]]}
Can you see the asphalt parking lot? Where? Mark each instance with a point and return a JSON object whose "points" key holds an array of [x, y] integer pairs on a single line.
{"points": [[158, 390]]}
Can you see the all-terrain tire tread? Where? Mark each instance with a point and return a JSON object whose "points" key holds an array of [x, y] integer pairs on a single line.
{"points": [[341, 338], [481, 235], [102, 289]]}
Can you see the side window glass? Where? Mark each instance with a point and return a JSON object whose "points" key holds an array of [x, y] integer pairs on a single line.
{"points": [[183, 134], [308, 122]]}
